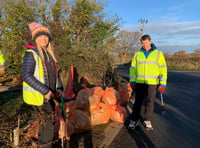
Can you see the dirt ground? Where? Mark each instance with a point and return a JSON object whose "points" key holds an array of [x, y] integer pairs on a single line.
{"points": [[90, 139]]}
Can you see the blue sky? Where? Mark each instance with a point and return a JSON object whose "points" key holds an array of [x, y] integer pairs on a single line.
{"points": [[173, 24]]}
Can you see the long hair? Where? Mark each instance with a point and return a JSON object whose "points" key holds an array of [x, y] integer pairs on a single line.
{"points": [[49, 50]]}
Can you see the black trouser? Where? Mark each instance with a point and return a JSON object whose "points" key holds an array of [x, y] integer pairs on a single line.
{"points": [[47, 124], [143, 91]]}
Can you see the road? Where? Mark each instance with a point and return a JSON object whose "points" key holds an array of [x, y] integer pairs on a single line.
{"points": [[180, 128]]}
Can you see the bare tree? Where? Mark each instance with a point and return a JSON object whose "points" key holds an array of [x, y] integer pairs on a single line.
{"points": [[127, 44], [167, 55], [196, 52], [181, 54]]}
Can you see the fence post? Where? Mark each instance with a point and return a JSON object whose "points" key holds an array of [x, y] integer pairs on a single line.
{"points": [[16, 134]]}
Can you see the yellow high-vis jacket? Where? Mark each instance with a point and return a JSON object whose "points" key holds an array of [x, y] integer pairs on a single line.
{"points": [[2, 60], [30, 95], [148, 68]]}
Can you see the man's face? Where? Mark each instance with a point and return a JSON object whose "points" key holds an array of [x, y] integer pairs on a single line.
{"points": [[146, 44]]}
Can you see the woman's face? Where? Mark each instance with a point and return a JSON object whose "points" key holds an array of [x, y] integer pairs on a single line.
{"points": [[42, 41]]}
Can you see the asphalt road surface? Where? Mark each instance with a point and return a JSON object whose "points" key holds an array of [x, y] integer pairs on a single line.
{"points": [[180, 128]]}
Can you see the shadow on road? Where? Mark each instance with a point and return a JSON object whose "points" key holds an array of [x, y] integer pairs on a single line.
{"points": [[76, 138], [158, 106], [141, 139]]}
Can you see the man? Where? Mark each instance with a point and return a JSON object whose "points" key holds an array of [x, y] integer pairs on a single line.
{"points": [[147, 71]]}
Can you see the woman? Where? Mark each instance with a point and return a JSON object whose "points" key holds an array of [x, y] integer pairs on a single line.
{"points": [[41, 80]]}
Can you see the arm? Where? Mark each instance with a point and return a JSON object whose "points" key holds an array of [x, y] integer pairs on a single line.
{"points": [[27, 74], [162, 70], [132, 69]]}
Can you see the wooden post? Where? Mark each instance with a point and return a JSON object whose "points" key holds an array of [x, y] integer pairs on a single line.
{"points": [[16, 135]]}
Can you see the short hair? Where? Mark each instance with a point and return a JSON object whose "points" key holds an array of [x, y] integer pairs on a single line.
{"points": [[145, 37]]}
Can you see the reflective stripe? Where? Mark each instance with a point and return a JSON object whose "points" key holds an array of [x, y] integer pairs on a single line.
{"points": [[136, 55], [158, 54], [2, 64], [162, 66], [147, 62], [150, 77], [1, 53], [30, 89], [163, 79], [132, 77], [36, 72], [150, 62], [37, 69], [132, 67]]}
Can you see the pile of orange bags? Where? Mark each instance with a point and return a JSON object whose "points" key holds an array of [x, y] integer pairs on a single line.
{"points": [[94, 106], [125, 92]]}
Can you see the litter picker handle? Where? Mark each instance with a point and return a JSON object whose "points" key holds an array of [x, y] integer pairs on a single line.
{"points": [[161, 97], [63, 108]]}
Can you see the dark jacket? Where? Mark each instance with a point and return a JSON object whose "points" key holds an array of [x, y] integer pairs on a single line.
{"points": [[28, 71]]}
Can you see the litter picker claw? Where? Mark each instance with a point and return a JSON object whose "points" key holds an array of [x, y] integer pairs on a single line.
{"points": [[163, 110]]}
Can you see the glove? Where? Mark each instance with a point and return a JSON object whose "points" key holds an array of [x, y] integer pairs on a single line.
{"points": [[57, 95], [161, 89], [132, 84]]}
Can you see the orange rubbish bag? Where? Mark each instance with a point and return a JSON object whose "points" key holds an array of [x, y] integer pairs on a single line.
{"points": [[101, 115], [110, 96], [80, 120], [118, 113], [88, 98], [70, 107], [125, 91]]}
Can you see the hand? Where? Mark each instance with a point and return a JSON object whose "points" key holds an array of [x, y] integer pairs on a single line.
{"points": [[48, 95], [58, 93], [161, 89], [133, 86]]}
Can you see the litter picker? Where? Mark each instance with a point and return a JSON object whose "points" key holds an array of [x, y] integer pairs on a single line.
{"points": [[163, 110], [63, 108], [64, 117]]}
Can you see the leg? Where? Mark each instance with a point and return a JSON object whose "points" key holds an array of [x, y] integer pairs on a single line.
{"points": [[149, 106], [46, 130], [140, 90]]}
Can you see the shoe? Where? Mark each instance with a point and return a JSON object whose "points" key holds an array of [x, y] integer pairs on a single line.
{"points": [[147, 125], [132, 124], [126, 123]]}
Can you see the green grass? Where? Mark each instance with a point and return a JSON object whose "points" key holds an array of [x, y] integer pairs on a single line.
{"points": [[185, 67], [11, 103]]}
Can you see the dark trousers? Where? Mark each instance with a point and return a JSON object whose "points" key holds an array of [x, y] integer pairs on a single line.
{"points": [[46, 116], [143, 91]]}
